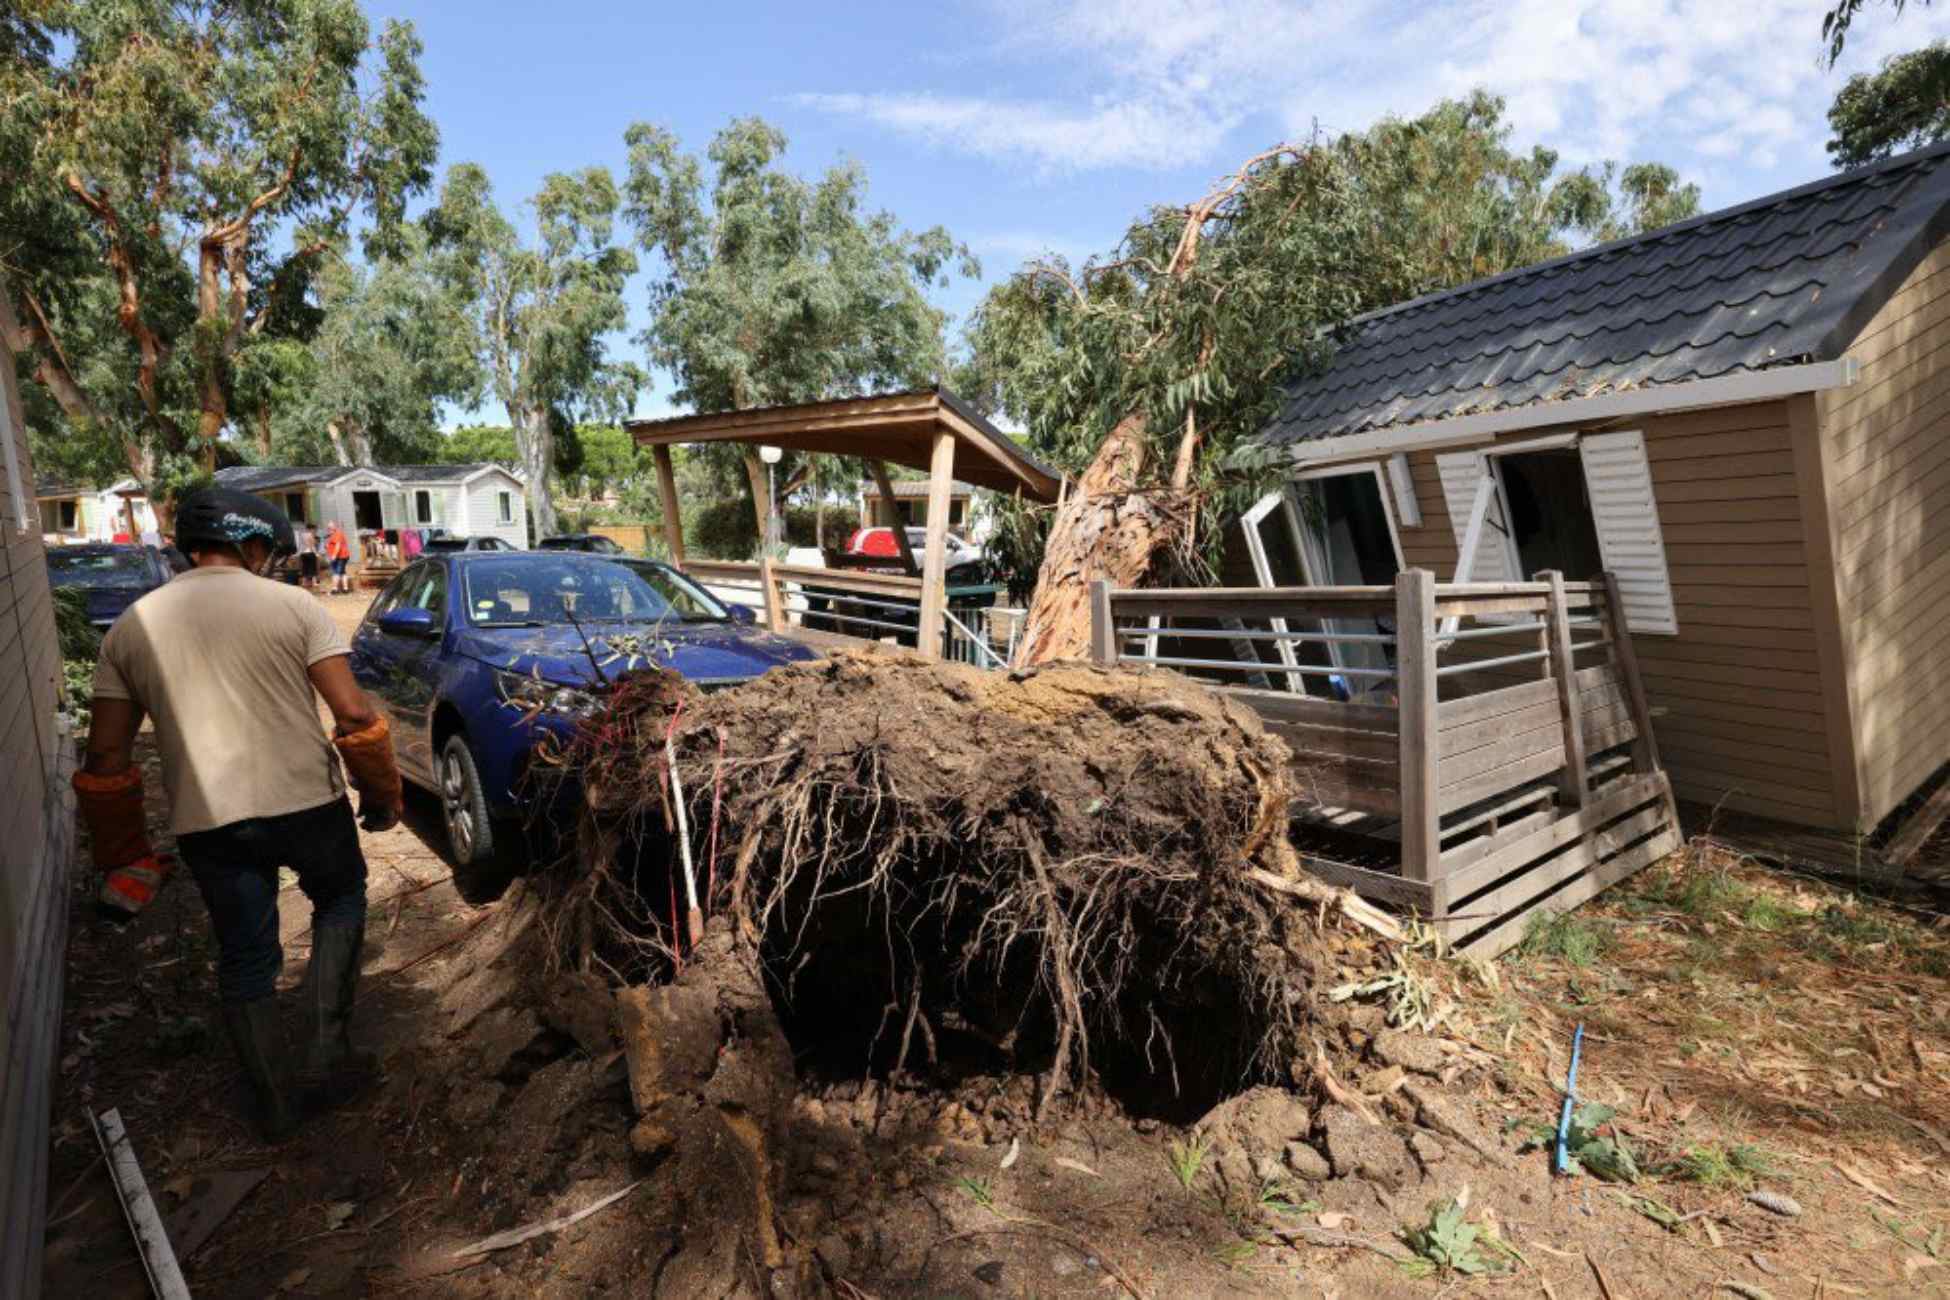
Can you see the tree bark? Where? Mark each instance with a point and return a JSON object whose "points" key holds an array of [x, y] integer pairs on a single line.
{"points": [[755, 475], [1105, 528], [264, 431], [535, 443]]}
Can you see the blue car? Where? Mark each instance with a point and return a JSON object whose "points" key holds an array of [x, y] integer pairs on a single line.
{"points": [[472, 655], [110, 575]]}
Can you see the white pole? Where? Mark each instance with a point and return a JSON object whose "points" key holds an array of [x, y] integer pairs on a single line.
{"points": [[772, 506]]}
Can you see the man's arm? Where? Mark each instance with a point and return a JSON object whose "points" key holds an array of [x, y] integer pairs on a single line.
{"points": [[351, 710], [111, 735], [364, 741]]}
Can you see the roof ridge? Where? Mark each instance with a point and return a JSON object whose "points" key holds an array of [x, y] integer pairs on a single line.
{"points": [[1886, 166]]}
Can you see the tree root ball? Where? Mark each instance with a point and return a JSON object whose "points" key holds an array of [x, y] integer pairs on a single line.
{"points": [[1053, 867]]}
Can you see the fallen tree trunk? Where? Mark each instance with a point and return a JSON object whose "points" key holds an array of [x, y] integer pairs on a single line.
{"points": [[1105, 528]]}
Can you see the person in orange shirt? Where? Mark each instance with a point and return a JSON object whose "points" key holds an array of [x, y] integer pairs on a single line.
{"points": [[338, 553]]}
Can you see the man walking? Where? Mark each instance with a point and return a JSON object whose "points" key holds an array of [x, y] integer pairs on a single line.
{"points": [[227, 664], [338, 553]]}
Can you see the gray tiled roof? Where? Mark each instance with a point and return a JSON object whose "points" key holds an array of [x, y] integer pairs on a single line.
{"points": [[253, 478], [1788, 278], [436, 473]]}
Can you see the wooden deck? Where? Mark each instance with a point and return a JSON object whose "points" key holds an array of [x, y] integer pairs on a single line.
{"points": [[1498, 759]]}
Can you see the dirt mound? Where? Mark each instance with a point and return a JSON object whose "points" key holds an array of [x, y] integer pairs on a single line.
{"points": [[1059, 871]]}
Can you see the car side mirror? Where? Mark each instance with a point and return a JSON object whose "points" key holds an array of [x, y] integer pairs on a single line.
{"points": [[409, 622], [743, 614]]}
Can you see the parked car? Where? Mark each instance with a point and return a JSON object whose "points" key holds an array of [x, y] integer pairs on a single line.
{"points": [[593, 542], [966, 563], [112, 575], [454, 545], [474, 657]]}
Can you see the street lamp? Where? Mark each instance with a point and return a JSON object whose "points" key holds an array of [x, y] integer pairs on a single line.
{"points": [[771, 456]]}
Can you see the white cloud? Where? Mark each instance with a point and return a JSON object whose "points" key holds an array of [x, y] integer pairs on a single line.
{"points": [[1163, 84]]}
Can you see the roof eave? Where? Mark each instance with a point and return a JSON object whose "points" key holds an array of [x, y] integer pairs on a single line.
{"points": [[1482, 426]]}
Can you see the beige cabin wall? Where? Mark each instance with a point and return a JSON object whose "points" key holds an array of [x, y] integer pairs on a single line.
{"points": [[1745, 722], [1886, 442]]}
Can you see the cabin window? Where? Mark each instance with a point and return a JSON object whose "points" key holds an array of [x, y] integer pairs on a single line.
{"points": [[422, 506], [294, 506], [1549, 513], [1578, 504], [1329, 528], [67, 511], [506, 504]]}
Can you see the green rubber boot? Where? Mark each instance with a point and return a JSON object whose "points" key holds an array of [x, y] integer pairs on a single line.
{"points": [[332, 1069], [258, 1037]]}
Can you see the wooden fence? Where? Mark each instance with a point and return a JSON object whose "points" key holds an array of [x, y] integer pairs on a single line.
{"points": [[840, 607], [1474, 752]]}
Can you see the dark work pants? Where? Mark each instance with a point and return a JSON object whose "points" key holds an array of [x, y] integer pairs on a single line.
{"points": [[236, 868]]}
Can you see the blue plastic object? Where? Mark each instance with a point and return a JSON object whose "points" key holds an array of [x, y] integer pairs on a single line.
{"points": [[1563, 1156]]}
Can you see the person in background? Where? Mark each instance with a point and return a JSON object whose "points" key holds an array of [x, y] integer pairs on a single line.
{"points": [[338, 554], [254, 785], [308, 557]]}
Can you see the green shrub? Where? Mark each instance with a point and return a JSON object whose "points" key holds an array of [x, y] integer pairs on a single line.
{"points": [[79, 639]]}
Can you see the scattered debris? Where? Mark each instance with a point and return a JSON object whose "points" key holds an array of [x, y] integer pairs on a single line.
{"points": [[209, 1201], [152, 1242], [1776, 1203], [515, 1236]]}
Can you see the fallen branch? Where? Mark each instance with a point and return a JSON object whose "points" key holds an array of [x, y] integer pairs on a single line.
{"points": [[1356, 908], [1341, 1241], [515, 1236]]}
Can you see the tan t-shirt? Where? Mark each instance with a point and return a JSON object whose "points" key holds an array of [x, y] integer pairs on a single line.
{"points": [[218, 658]]}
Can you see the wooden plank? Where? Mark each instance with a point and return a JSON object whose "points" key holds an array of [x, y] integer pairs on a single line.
{"points": [[1282, 706], [1471, 851], [868, 584], [1103, 631], [1248, 604], [1415, 669], [1570, 707], [667, 491], [1526, 882], [1586, 887], [1458, 713], [934, 561], [1497, 780], [1476, 607], [886, 488], [1378, 885], [1303, 739], [1645, 748], [722, 571], [1474, 735], [1335, 789], [1545, 739], [768, 584]]}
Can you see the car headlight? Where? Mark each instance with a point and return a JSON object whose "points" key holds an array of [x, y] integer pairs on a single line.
{"points": [[537, 695]]}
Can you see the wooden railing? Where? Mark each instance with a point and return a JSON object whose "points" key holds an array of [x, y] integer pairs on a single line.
{"points": [[1494, 736], [842, 606]]}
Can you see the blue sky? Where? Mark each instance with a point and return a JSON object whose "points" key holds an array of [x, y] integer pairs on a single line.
{"points": [[1031, 127]]}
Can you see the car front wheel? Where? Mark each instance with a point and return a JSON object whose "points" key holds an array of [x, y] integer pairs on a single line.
{"points": [[480, 873]]}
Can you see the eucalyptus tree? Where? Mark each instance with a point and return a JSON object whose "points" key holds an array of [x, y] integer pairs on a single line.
{"points": [[1904, 104], [769, 288], [175, 171], [538, 310], [1144, 372]]}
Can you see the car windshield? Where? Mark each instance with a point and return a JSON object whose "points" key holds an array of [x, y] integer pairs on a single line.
{"points": [[98, 569], [544, 588]]}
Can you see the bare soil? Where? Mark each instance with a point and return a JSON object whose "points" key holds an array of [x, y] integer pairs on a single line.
{"points": [[1726, 1008]]}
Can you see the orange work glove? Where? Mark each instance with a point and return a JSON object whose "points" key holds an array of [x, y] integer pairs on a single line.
{"points": [[111, 807], [369, 763]]}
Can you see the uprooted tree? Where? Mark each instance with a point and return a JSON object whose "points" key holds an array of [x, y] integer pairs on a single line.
{"points": [[1143, 372], [175, 173]]}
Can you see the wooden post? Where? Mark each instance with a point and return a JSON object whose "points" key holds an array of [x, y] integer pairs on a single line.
{"points": [[1415, 677], [879, 468], [934, 561], [1558, 631], [768, 583], [667, 489], [1103, 632], [1645, 750]]}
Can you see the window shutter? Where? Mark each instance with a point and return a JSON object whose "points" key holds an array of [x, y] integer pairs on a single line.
{"points": [[1619, 480], [1463, 474]]}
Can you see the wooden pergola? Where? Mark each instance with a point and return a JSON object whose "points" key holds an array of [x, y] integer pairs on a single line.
{"points": [[929, 429]]}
